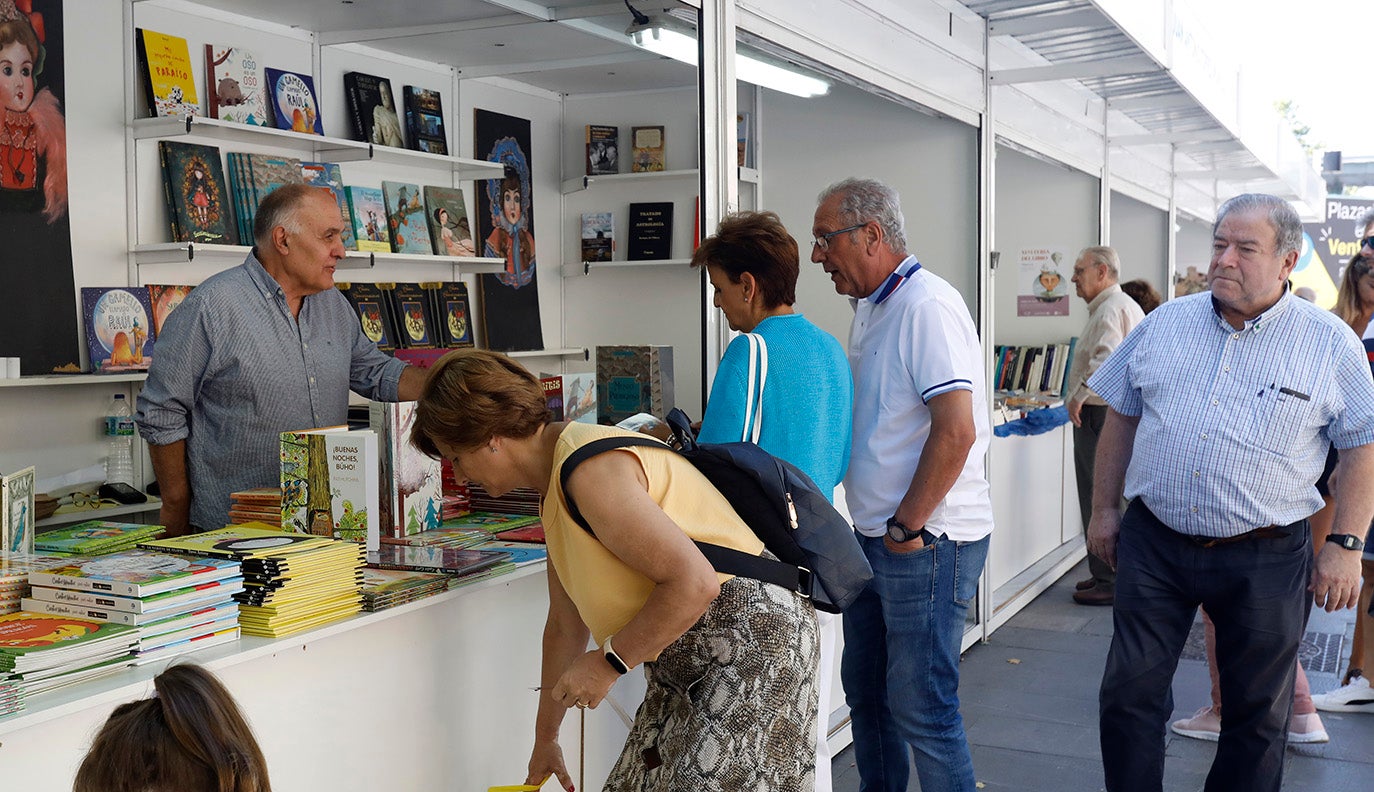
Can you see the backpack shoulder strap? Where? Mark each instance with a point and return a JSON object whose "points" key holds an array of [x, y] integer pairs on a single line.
{"points": [[587, 452]]}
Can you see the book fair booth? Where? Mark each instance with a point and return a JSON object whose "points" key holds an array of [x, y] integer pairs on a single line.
{"points": [[1016, 131]]}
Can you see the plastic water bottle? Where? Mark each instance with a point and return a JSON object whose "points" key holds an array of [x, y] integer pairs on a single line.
{"points": [[119, 438]]}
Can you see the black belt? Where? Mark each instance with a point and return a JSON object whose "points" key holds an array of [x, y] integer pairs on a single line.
{"points": [[1267, 532]]}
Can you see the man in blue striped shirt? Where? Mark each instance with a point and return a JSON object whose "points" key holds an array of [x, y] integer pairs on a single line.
{"points": [[1221, 408], [266, 347]]}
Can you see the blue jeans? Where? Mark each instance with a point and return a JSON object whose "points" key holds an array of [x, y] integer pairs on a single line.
{"points": [[901, 665]]}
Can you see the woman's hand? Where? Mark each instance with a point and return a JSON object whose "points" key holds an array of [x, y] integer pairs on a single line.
{"points": [[586, 682], [547, 760]]}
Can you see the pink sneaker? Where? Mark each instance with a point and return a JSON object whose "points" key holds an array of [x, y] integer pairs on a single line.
{"points": [[1307, 729], [1204, 725]]}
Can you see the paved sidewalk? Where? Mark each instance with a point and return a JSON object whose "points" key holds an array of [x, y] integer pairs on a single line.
{"points": [[1030, 706]]}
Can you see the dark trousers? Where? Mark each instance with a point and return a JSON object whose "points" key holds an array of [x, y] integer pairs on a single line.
{"points": [[1084, 453], [1256, 593]]}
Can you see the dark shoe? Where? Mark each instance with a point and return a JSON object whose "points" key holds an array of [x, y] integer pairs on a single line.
{"points": [[1094, 596], [1084, 585]]}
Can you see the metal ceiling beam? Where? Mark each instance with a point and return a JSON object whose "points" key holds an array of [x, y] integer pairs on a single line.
{"points": [[525, 13], [1254, 172], [1156, 102], [1209, 148], [563, 63], [1169, 138], [1109, 67]]}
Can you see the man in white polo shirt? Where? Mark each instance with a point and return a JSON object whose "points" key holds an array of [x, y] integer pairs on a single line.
{"points": [[915, 489]]}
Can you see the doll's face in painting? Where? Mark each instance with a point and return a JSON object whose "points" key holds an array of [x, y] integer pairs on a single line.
{"points": [[510, 205], [16, 77]]}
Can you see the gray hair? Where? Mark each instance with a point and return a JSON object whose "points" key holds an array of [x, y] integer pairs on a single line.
{"points": [[1284, 220], [1366, 220], [865, 200], [281, 208], [1101, 254]]}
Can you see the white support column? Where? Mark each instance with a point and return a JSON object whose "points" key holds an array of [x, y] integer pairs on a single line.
{"points": [[719, 174], [1104, 198], [987, 170], [1171, 251]]}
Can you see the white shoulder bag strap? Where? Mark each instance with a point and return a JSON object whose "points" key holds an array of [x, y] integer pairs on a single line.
{"points": [[753, 404]]}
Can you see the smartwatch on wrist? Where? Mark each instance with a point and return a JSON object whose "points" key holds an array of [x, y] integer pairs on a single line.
{"points": [[899, 533], [1348, 541], [620, 666]]}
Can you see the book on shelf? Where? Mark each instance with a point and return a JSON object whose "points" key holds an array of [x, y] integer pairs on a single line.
{"points": [[552, 385], [450, 232], [598, 236], [368, 210], [197, 198], [646, 146], [16, 513], [425, 120], [413, 308], [33, 641], [184, 646], [633, 379], [411, 491], [579, 397], [118, 328], [372, 109], [93, 537], [164, 299], [743, 154], [405, 215], [651, 231], [295, 105], [146, 609], [603, 150], [233, 82], [94, 613], [247, 541], [329, 483], [374, 313], [134, 573], [252, 177], [328, 176], [452, 316], [165, 70]]}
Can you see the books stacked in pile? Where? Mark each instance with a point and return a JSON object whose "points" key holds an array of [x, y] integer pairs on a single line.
{"points": [[14, 577], [521, 553], [521, 500], [40, 652], [387, 588], [464, 564], [292, 582], [456, 500], [255, 505], [443, 536], [453, 506], [174, 603], [10, 700], [94, 537]]}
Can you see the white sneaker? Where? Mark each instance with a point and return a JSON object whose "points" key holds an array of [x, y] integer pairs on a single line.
{"points": [[1354, 697], [1307, 729]]}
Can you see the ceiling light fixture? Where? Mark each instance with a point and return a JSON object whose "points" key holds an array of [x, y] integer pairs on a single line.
{"points": [[668, 36]]}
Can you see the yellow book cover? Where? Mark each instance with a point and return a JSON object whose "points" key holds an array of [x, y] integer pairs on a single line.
{"points": [[167, 75], [250, 540]]}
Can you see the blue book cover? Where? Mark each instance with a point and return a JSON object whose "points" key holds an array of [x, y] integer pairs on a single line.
{"points": [[295, 106], [327, 175], [368, 210], [405, 213], [118, 323]]}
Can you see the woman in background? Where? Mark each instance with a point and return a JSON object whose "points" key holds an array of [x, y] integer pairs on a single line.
{"points": [[1143, 293], [807, 402]]}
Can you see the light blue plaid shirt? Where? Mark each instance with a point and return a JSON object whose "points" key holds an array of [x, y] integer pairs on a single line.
{"points": [[1234, 424]]}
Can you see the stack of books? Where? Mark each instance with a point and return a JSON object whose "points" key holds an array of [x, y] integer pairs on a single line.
{"points": [[444, 536], [521, 500], [456, 500], [14, 577], [255, 505], [440, 560], [521, 553], [175, 604], [292, 582], [40, 652], [10, 700], [94, 537], [387, 588]]}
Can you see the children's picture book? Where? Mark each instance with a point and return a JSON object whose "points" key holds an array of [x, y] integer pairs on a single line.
{"points": [[579, 397], [93, 537], [33, 633], [233, 85], [134, 573], [328, 176], [651, 231], [450, 233], [405, 215], [452, 317], [329, 483], [603, 150], [16, 513], [598, 236], [425, 120], [366, 206], [247, 541], [252, 177], [372, 109], [213, 594], [165, 298], [744, 156], [295, 106], [553, 394], [443, 560], [633, 379], [374, 312], [197, 201], [412, 307], [646, 149], [411, 482], [534, 532], [118, 328], [165, 68]]}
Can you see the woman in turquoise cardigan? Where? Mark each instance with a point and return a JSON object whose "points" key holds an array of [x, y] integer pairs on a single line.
{"points": [[808, 394]]}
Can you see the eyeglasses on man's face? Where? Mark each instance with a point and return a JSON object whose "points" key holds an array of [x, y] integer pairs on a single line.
{"points": [[822, 242]]}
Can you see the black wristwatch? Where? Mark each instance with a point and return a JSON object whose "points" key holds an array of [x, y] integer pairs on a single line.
{"points": [[614, 659], [1348, 541], [899, 533]]}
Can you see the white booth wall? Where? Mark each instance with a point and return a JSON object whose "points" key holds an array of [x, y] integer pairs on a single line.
{"points": [[1139, 234]]}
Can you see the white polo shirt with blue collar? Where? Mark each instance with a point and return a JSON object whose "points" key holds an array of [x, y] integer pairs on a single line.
{"points": [[913, 339]]}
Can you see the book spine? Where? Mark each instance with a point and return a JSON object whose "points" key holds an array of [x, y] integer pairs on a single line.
{"points": [[355, 114], [116, 587], [86, 599], [145, 76], [77, 611]]}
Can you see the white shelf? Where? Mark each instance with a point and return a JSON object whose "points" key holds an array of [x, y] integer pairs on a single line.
{"points": [[174, 252], [325, 148], [569, 352], [579, 183], [579, 268], [47, 380], [100, 513]]}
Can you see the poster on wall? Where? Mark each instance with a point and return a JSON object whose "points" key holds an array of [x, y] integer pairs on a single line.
{"points": [[1328, 245], [38, 299], [505, 223], [1043, 285]]}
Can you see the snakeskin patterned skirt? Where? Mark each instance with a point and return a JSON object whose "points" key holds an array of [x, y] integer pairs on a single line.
{"points": [[731, 705]]}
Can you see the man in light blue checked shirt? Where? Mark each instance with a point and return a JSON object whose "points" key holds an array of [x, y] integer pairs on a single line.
{"points": [[1222, 405]]}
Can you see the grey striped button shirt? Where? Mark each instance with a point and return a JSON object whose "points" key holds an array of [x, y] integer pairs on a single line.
{"points": [[1234, 424], [232, 369]]}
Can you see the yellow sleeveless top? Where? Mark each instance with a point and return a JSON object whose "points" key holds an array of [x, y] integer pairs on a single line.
{"points": [[606, 591]]}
